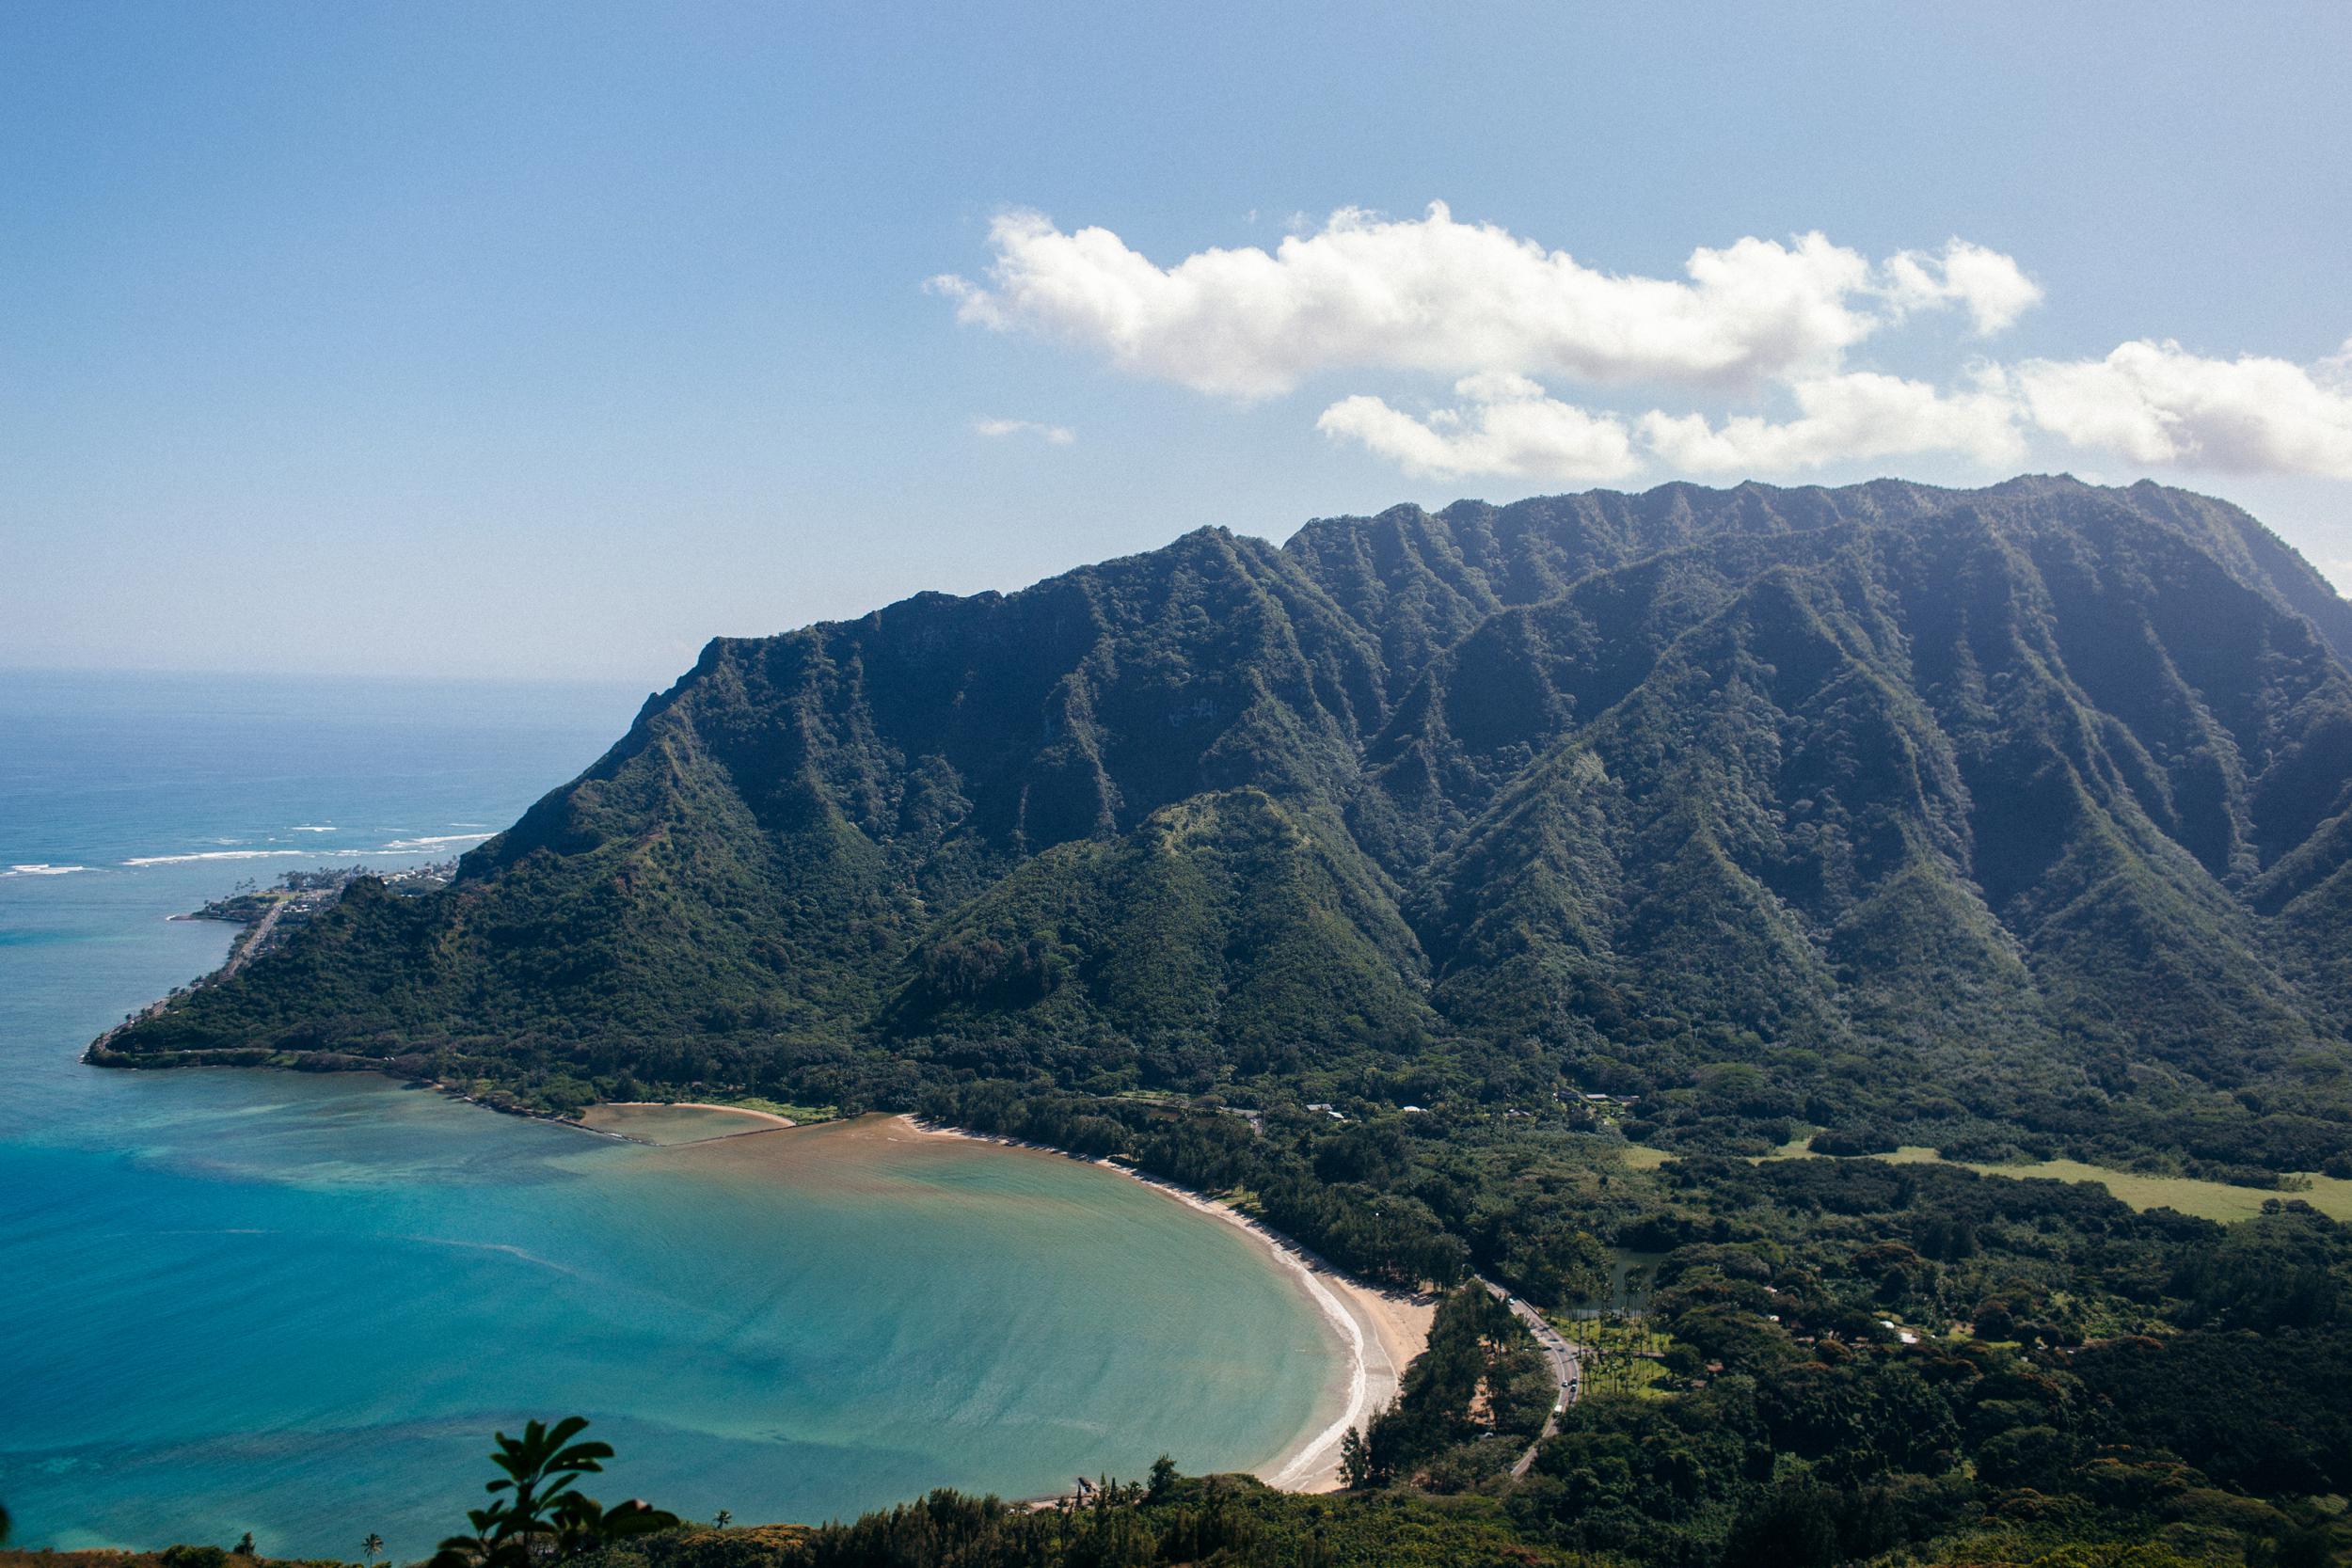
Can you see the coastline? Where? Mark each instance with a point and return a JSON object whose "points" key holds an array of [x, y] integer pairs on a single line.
{"points": [[1381, 1331], [767, 1117]]}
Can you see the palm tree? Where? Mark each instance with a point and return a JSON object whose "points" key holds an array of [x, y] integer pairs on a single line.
{"points": [[723, 1520], [541, 1514], [372, 1545]]}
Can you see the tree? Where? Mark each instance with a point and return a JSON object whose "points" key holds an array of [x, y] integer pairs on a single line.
{"points": [[542, 1516], [244, 1546], [722, 1520], [1793, 1525], [1355, 1460], [372, 1545]]}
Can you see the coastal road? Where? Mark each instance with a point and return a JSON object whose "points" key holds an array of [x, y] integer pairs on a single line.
{"points": [[253, 940], [1563, 1355]]}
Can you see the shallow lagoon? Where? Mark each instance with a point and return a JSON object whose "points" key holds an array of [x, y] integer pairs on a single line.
{"points": [[298, 1305]]}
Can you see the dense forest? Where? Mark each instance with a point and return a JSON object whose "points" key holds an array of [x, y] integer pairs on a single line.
{"points": [[1397, 882]]}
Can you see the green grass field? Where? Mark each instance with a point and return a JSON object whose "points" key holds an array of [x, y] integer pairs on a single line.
{"points": [[2213, 1200], [1621, 1368]]}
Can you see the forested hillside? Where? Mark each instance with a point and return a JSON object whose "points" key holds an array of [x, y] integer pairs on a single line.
{"points": [[2011, 821]]}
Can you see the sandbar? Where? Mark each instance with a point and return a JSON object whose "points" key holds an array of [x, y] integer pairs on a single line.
{"points": [[658, 1121]]}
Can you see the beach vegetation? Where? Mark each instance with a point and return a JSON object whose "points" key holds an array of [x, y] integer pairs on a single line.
{"points": [[537, 1513], [1471, 1402]]}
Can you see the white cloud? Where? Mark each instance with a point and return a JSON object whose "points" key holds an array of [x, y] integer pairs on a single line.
{"points": [[1993, 287], [1850, 418], [2157, 403], [1450, 298], [1510, 427], [1748, 331], [1054, 434]]}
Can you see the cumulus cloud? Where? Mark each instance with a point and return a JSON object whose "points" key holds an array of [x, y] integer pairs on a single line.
{"points": [[1850, 418], [2157, 403], [1436, 296], [1992, 287], [1754, 341], [1509, 427], [1053, 434]]}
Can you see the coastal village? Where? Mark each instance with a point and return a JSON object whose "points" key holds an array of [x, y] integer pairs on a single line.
{"points": [[270, 915]]}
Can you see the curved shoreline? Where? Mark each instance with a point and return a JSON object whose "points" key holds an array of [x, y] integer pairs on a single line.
{"points": [[770, 1118], [1381, 1331]]}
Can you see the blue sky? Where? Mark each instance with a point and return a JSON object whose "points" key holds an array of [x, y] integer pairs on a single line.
{"points": [[553, 339]]}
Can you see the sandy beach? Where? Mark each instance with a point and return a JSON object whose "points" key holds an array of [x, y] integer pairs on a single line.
{"points": [[653, 1122], [1381, 1331], [769, 1116]]}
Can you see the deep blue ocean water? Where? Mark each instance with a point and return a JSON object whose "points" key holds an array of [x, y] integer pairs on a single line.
{"points": [[298, 1304]]}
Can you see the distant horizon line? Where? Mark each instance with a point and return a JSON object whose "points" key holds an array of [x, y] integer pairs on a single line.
{"points": [[9, 670]]}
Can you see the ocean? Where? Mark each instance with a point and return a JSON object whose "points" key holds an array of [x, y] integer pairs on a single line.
{"points": [[299, 1304]]}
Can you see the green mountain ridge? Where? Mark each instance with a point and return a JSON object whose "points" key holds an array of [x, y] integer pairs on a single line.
{"points": [[2008, 819]]}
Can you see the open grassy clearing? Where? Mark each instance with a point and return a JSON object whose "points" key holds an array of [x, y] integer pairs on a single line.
{"points": [[2221, 1201], [2213, 1200]]}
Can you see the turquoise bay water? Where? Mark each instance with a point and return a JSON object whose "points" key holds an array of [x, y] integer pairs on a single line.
{"points": [[298, 1305]]}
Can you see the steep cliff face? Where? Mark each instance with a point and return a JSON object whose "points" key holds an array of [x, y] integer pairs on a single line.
{"points": [[1963, 809]]}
